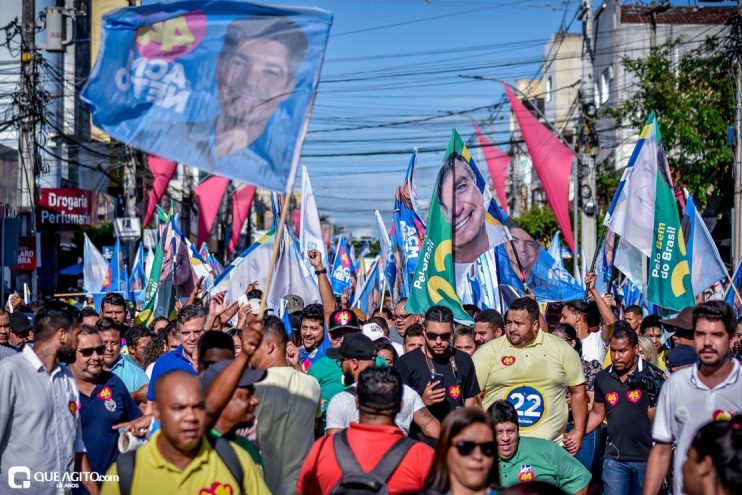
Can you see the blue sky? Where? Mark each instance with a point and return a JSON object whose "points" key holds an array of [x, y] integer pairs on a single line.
{"points": [[400, 62]]}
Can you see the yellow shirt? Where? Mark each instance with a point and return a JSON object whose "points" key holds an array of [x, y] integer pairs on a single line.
{"points": [[534, 378], [206, 474]]}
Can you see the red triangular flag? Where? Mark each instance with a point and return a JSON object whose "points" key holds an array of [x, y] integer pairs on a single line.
{"points": [[209, 196], [241, 202], [552, 161], [163, 171]]}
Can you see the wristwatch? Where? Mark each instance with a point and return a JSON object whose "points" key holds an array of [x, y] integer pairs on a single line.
{"points": [[320, 272]]}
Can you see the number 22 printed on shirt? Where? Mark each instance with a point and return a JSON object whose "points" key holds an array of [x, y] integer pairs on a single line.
{"points": [[529, 402]]}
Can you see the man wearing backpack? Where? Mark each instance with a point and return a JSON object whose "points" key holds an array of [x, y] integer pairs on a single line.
{"points": [[372, 456]]}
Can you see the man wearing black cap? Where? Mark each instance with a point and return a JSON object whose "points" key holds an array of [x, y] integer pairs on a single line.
{"points": [[356, 354], [21, 331]]}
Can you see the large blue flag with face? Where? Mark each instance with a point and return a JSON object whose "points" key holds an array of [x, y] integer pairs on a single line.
{"points": [[223, 86]]}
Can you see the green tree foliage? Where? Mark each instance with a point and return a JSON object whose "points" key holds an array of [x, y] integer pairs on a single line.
{"points": [[694, 101], [539, 222]]}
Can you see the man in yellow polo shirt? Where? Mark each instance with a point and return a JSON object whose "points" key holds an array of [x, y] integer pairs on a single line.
{"points": [[179, 458], [534, 370]]}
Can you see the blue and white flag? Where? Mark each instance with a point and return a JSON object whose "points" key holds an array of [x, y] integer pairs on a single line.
{"points": [[367, 298], [631, 294], [224, 86], [250, 266], [706, 267], [340, 276], [138, 278], [408, 231], [555, 250], [118, 269], [292, 275], [96, 271]]}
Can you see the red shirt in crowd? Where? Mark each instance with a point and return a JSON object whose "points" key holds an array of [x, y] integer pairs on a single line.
{"points": [[369, 444]]}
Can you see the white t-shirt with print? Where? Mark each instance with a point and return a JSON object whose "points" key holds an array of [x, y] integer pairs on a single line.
{"points": [[343, 409]]}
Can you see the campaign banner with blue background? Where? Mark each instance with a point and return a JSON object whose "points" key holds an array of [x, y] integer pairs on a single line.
{"points": [[223, 86], [408, 232], [340, 276]]}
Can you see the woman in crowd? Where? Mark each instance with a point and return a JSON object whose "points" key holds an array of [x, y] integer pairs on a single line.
{"points": [[647, 350], [714, 462], [465, 460]]}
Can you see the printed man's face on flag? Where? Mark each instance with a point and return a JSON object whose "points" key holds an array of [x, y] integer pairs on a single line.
{"points": [[462, 204], [256, 71]]}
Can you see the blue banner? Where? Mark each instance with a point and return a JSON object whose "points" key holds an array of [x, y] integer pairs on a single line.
{"points": [[408, 230], [340, 276], [223, 86]]}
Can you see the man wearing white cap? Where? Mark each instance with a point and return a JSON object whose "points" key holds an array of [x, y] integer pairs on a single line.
{"points": [[374, 332]]}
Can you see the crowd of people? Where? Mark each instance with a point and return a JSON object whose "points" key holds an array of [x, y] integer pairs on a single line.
{"points": [[583, 396]]}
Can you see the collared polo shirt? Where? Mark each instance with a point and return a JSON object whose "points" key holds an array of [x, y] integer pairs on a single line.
{"points": [[39, 421], [173, 360], [629, 427], [7, 351], [109, 404], [369, 444], [542, 460], [132, 375], [534, 378], [206, 473], [685, 404]]}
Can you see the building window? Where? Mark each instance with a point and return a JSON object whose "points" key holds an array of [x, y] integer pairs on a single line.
{"points": [[549, 89]]}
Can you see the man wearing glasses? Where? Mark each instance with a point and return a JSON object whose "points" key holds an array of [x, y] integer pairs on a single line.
{"points": [[444, 377], [524, 459], [104, 400], [402, 321]]}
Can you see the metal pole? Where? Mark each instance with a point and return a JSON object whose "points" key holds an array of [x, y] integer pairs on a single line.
{"points": [[588, 228], [737, 212], [575, 219]]}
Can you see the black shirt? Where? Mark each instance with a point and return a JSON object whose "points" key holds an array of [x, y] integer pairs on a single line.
{"points": [[629, 427], [416, 373]]}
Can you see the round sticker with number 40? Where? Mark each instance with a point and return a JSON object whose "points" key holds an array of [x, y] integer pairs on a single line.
{"points": [[529, 403]]}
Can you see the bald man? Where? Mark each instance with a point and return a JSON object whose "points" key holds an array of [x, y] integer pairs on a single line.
{"points": [[181, 408]]}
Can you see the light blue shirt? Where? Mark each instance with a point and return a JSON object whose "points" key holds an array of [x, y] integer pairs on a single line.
{"points": [[132, 375]]}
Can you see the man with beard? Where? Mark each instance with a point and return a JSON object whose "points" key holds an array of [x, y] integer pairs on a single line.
{"points": [[709, 390], [443, 376], [40, 406], [133, 376], [104, 400], [356, 354]]}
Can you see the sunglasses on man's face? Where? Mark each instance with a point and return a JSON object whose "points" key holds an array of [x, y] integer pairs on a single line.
{"points": [[88, 351], [435, 336], [466, 448]]}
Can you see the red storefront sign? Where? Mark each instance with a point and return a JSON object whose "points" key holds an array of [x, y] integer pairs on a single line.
{"points": [[26, 254], [65, 209]]}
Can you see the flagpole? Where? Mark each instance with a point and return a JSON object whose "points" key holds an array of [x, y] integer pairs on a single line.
{"points": [[285, 207], [736, 292]]}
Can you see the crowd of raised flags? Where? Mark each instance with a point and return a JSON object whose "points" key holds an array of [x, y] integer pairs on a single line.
{"points": [[416, 260]]}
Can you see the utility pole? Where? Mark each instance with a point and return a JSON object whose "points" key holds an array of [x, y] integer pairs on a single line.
{"points": [[29, 109], [737, 214], [586, 159]]}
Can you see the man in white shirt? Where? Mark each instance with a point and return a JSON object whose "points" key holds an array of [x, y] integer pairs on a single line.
{"points": [[289, 405], [357, 353], [710, 390], [40, 430]]}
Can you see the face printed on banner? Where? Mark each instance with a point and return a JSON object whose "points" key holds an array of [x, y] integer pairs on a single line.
{"points": [[462, 205], [256, 71], [525, 248]]}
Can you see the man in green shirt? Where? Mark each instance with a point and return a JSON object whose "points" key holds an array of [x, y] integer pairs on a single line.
{"points": [[526, 459]]}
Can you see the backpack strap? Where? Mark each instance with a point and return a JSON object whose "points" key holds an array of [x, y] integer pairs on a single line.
{"points": [[344, 455], [391, 460], [226, 453], [125, 470]]}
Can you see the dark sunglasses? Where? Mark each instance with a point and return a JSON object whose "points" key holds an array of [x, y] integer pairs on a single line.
{"points": [[402, 316], [435, 336], [88, 351], [466, 448]]}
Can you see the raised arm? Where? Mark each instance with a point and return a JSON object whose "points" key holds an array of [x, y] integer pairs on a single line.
{"points": [[325, 288], [605, 311]]}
